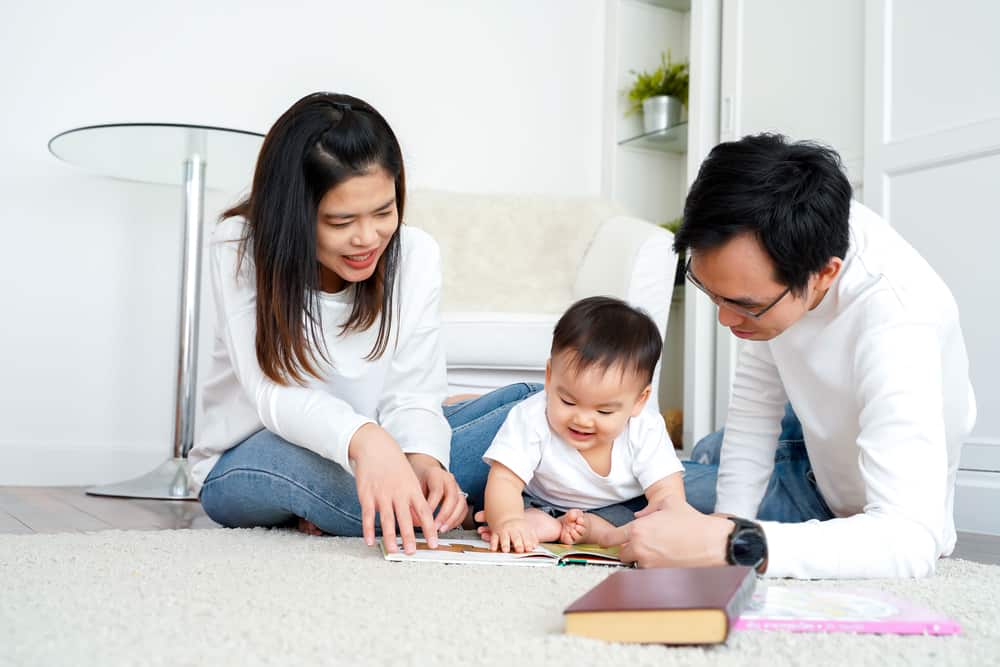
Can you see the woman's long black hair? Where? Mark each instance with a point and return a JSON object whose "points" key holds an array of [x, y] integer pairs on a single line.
{"points": [[321, 141]]}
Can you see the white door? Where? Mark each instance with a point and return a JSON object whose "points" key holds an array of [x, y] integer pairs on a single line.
{"points": [[932, 168], [795, 68]]}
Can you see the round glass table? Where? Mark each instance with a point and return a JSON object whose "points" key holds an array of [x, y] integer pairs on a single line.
{"points": [[196, 157]]}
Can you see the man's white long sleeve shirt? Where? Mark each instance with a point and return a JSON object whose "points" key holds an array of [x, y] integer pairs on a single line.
{"points": [[879, 377]]}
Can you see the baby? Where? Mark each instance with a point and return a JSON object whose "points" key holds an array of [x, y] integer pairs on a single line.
{"points": [[575, 459]]}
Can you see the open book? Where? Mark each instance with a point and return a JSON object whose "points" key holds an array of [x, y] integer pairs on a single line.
{"points": [[478, 551], [844, 610]]}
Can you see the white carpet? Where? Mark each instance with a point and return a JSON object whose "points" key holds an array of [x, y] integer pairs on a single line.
{"points": [[254, 597]]}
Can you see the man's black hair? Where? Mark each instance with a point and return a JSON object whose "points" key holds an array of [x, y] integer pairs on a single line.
{"points": [[606, 332], [793, 197]]}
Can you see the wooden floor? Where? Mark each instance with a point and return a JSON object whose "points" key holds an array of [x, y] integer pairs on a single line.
{"points": [[59, 509]]}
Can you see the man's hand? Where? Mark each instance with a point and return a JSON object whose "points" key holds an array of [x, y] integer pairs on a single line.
{"points": [[441, 491], [673, 535]]}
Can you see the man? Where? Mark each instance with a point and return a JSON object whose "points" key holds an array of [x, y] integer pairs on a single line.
{"points": [[844, 321]]}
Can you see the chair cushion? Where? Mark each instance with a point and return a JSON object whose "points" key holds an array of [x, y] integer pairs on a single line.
{"points": [[492, 340], [507, 253]]}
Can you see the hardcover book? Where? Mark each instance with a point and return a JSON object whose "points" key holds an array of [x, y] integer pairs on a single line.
{"points": [[478, 552], [819, 610], [663, 605]]}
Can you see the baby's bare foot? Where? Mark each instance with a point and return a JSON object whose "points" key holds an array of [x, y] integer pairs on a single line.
{"points": [[574, 527]]}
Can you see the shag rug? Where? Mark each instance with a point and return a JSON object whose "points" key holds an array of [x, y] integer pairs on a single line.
{"points": [[276, 597]]}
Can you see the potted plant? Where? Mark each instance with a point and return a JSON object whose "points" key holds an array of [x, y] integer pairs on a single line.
{"points": [[660, 94]]}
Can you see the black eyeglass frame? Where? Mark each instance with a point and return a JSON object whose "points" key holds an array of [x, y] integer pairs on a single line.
{"points": [[723, 302]]}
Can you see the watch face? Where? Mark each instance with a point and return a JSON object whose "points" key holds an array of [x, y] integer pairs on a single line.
{"points": [[748, 547]]}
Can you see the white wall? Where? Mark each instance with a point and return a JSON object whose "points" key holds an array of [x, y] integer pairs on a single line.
{"points": [[485, 96]]}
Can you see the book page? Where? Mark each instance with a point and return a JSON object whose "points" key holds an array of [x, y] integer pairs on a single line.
{"points": [[470, 551]]}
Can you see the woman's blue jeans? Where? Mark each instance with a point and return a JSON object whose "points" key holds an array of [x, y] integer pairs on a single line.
{"points": [[791, 495], [267, 481]]}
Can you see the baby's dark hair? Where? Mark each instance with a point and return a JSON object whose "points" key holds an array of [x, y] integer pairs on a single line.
{"points": [[607, 332]]}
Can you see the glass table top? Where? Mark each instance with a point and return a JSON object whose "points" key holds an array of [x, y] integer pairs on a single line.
{"points": [[156, 152]]}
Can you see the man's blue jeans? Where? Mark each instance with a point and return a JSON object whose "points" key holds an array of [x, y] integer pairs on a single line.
{"points": [[267, 481], [791, 495]]}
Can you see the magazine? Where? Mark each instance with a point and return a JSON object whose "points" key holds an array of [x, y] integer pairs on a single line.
{"points": [[478, 552], [847, 610]]}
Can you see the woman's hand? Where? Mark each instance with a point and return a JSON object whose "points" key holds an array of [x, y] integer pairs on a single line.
{"points": [[387, 485], [441, 490]]}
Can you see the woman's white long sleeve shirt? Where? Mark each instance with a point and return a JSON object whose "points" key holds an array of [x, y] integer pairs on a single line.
{"points": [[402, 390]]}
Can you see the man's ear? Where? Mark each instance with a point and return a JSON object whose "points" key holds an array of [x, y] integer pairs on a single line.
{"points": [[829, 273], [640, 402]]}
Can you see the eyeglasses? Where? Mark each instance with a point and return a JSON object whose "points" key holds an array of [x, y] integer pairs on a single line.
{"points": [[723, 302]]}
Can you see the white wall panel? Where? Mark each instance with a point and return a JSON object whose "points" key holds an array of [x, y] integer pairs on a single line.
{"points": [[949, 214], [944, 68], [803, 70], [932, 164]]}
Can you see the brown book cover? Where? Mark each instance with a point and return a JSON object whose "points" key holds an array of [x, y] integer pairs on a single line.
{"points": [[663, 605]]}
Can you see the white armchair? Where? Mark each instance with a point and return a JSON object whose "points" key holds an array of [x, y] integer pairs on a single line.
{"points": [[513, 264]]}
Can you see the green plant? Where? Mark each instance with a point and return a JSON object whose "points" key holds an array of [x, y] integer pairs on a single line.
{"points": [[672, 225], [668, 79]]}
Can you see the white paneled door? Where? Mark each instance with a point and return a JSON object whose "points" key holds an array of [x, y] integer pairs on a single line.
{"points": [[796, 68], [932, 168]]}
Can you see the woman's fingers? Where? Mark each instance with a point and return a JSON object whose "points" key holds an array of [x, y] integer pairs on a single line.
{"points": [[405, 526], [435, 489], [367, 516], [388, 518], [452, 505], [426, 521], [457, 515]]}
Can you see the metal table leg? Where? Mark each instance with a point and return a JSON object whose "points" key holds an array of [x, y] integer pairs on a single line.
{"points": [[171, 479]]}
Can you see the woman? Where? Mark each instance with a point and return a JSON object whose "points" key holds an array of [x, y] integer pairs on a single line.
{"points": [[323, 404]]}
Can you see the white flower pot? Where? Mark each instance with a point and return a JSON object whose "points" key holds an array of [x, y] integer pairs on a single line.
{"points": [[660, 112]]}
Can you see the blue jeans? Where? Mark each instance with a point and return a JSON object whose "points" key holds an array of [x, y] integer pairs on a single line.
{"points": [[267, 481], [791, 495], [618, 514]]}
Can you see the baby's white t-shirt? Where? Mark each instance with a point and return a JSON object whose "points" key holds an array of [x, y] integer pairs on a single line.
{"points": [[555, 472]]}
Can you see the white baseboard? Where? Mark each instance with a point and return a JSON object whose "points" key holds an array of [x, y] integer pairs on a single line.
{"points": [[59, 464], [977, 495], [981, 454]]}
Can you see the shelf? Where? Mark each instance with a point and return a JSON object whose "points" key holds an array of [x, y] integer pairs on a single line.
{"points": [[675, 5], [673, 139]]}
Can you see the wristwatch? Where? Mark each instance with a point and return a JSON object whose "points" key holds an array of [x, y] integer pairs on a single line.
{"points": [[747, 544]]}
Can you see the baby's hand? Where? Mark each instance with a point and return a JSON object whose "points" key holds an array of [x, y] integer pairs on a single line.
{"points": [[513, 534]]}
